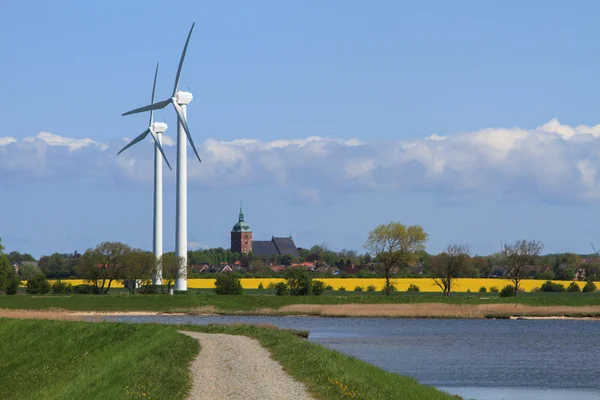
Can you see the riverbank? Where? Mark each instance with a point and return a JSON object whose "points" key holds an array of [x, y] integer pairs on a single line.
{"points": [[138, 361], [421, 310]]}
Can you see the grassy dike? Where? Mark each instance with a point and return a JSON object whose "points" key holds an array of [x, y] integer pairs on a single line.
{"points": [[329, 374], [66, 360], [42, 359]]}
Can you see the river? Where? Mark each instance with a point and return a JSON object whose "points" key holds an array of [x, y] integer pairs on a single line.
{"points": [[475, 358]]}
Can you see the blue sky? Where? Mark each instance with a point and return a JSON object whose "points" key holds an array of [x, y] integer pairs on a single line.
{"points": [[476, 120]]}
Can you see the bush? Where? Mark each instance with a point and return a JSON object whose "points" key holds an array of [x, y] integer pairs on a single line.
{"points": [[589, 287], [358, 289], [299, 281], [507, 291], [547, 275], [12, 285], [413, 288], [281, 289], [60, 287], [318, 288], [328, 287], [392, 288], [482, 289], [550, 286], [227, 283], [272, 285], [38, 285], [371, 288], [260, 286], [573, 287], [494, 289], [84, 289], [342, 289]]}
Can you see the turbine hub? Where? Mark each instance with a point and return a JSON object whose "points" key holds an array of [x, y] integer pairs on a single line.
{"points": [[159, 127], [183, 98]]}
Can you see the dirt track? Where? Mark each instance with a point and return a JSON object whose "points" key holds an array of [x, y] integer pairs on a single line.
{"points": [[238, 367]]}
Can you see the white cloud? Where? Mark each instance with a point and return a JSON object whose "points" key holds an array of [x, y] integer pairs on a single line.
{"points": [[7, 140], [72, 144], [553, 160]]}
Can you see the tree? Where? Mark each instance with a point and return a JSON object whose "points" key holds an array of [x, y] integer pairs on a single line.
{"points": [[394, 244], [17, 258], [519, 256], [38, 285], [28, 271], [447, 266], [1, 247], [9, 280], [113, 258], [483, 265], [299, 281], [172, 268], [139, 266]]}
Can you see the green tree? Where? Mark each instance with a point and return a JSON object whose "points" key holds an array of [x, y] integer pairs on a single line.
{"points": [[395, 244], [447, 266], [38, 285], [228, 283], [9, 280], [28, 271], [298, 281]]}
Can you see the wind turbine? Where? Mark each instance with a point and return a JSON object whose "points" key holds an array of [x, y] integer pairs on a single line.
{"points": [[179, 100], [156, 129]]}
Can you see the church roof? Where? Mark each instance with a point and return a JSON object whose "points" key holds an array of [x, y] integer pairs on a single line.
{"points": [[264, 248], [275, 247], [286, 246]]}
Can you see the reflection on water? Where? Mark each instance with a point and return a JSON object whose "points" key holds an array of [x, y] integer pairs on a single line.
{"points": [[479, 359]]}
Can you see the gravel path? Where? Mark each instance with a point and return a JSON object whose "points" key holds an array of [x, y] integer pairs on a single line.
{"points": [[238, 367]]}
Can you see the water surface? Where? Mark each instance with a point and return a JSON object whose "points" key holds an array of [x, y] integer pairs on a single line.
{"points": [[475, 358]]}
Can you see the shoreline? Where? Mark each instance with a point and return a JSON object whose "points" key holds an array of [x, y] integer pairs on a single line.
{"points": [[422, 310]]}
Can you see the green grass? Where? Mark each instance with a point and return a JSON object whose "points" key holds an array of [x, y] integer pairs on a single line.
{"points": [[254, 299], [44, 359], [319, 367]]}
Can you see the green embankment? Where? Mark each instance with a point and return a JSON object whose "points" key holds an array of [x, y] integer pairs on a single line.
{"points": [[329, 374], [43, 359], [255, 299]]}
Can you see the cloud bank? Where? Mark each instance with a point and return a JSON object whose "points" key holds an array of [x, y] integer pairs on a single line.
{"points": [[552, 160]]}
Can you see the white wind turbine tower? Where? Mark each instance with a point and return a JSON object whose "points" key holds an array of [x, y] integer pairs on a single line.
{"points": [[179, 100], [156, 129]]}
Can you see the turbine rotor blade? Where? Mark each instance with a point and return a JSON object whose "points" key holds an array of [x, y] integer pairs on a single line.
{"points": [[185, 127], [155, 106], [159, 147], [140, 137], [181, 60], [152, 100]]}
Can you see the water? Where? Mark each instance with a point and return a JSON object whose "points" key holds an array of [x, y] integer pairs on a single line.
{"points": [[475, 358]]}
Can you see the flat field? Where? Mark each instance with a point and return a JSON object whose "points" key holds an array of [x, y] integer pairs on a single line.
{"points": [[332, 303], [401, 284]]}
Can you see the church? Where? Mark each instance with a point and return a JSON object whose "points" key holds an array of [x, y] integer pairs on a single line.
{"points": [[242, 242]]}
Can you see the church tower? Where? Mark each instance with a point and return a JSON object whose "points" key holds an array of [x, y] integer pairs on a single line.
{"points": [[241, 236]]}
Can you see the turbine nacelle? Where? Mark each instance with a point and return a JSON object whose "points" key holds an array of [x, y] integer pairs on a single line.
{"points": [[159, 127], [183, 98]]}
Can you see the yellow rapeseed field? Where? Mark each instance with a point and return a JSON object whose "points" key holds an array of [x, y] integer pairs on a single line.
{"points": [[401, 284]]}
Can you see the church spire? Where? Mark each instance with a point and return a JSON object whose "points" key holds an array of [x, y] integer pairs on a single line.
{"points": [[241, 213]]}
